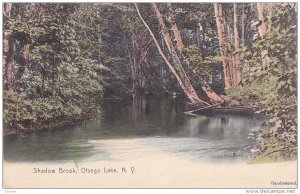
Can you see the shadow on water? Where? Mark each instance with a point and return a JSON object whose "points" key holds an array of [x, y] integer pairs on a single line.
{"points": [[127, 129]]}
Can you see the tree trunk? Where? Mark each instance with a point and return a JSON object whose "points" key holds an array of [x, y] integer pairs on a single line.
{"points": [[171, 19], [211, 94], [225, 55], [134, 67], [193, 97], [262, 29], [142, 62], [8, 58], [269, 16], [263, 26], [166, 35], [205, 86], [202, 29], [243, 26], [7, 10], [199, 42], [236, 46], [8, 50], [233, 75], [175, 57]]}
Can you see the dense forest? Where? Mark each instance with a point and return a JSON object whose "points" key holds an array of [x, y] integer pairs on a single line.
{"points": [[60, 61]]}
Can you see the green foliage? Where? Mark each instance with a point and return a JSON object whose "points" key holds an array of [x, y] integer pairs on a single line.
{"points": [[274, 82], [21, 114], [190, 14], [65, 78], [252, 90], [198, 62]]}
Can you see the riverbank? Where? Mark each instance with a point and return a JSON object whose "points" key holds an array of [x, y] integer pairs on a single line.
{"points": [[25, 115], [155, 171], [54, 124]]}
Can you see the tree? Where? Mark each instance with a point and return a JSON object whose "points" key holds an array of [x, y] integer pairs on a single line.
{"points": [[174, 28], [8, 47], [262, 20], [274, 84], [63, 81], [181, 76], [180, 46], [224, 51], [262, 29], [243, 25], [237, 70], [137, 50]]}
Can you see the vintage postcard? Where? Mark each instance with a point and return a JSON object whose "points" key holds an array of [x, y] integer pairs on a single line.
{"points": [[150, 95]]}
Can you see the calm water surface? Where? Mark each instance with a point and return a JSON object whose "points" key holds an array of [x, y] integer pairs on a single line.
{"points": [[136, 128]]}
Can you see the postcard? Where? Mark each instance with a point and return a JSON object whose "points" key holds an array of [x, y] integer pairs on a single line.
{"points": [[150, 95]]}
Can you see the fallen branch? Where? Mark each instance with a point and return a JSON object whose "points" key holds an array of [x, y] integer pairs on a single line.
{"points": [[191, 111]]}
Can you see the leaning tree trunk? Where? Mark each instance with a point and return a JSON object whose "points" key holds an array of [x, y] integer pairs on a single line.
{"points": [[174, 28], [193, 98], [205, 86], [166, 35], [176, 59], [225, 54]]}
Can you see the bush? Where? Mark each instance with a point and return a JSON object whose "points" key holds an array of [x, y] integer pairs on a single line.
{"points": [[24, 115]]}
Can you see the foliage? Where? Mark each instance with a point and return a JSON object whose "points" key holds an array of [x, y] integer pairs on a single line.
{"points": [[199, 62], [64, 79], [252, 90], [274, 81], [22, 115]]}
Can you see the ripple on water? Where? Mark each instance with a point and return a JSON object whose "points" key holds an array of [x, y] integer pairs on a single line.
{"points": [[189, 148]]}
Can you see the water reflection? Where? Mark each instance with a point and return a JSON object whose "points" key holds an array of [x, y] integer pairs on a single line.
{"points": [[130, 129]]}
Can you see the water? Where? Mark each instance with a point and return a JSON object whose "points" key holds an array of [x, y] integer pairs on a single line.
{"points": [[134, 129]]}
